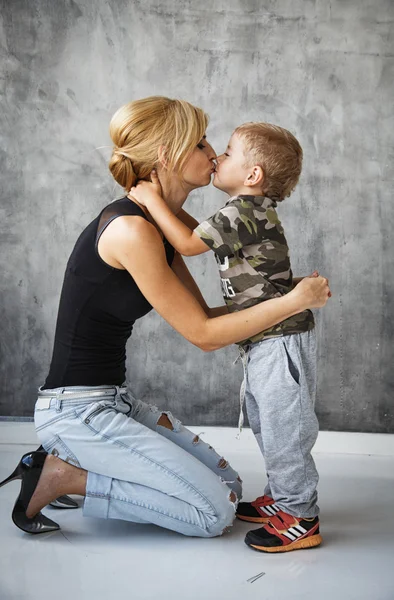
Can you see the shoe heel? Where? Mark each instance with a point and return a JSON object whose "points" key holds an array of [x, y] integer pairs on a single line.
{"points": [[17, 474], [64, 502]]}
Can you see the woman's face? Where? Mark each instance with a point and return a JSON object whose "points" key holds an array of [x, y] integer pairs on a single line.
{"points": [[200, 166]]}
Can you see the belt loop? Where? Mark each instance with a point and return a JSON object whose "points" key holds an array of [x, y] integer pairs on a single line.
{"points": [[59, 400], [121, 389]]}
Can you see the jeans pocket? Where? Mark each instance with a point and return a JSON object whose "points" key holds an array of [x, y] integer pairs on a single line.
{"points": [[94, 409], [57, 447], [291, 367], [94, 413]]}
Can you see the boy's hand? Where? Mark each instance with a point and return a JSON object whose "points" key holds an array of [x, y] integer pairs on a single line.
{"points": [[145, 191]]}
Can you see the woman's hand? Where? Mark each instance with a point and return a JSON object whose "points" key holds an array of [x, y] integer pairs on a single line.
{"points": [[145, 191], [314, 290]]}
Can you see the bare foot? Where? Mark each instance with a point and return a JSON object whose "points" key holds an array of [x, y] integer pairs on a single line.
{"points": [[57, 478]]}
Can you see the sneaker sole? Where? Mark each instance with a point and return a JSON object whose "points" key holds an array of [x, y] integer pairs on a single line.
{"points": [[253, 519], [308, 542]]}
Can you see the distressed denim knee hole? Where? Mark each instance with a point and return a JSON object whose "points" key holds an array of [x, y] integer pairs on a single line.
{"points": [[164, 421], [223, 463]]}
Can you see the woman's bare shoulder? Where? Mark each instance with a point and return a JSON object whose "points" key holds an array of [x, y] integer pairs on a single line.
{"points": [[128, 235]]}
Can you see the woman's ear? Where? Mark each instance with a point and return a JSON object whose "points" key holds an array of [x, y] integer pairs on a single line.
{"points": [[255, 176], [162, 156]]}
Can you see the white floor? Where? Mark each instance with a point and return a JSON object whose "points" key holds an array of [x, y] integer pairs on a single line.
{"points": [[96, 560]]}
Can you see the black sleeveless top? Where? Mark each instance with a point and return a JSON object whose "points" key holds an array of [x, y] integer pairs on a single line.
{"points": [[98, 307]]}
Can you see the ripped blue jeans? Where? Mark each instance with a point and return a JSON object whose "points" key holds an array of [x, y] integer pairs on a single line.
{"points": [[143, 465]]}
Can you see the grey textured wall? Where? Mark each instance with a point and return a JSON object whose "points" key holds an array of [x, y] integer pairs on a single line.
{"points": [[325, 70]]}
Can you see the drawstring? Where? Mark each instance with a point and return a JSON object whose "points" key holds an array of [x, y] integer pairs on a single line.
{"points": [[243, 355]]}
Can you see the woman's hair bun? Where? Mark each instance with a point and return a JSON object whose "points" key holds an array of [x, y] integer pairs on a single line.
{"points": [[121, 167]]}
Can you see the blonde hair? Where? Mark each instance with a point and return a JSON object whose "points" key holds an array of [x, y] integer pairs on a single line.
{"points": [[278, 153], [140, 128]]}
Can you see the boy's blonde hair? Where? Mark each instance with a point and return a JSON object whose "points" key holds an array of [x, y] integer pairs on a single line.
{"points": [[278, 153], [140, 128]]}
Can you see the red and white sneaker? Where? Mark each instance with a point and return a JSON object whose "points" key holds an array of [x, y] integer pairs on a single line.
{"points": [[260, 510], [284, 533]]}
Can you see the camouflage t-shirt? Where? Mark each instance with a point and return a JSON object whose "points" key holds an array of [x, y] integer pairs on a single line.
{"points": [[253, 259]]}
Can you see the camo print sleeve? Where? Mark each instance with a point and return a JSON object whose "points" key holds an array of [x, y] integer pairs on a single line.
{"points": [[231, 228]]}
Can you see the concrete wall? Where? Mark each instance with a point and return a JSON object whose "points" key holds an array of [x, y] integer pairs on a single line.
{"points": [[325, 70]]}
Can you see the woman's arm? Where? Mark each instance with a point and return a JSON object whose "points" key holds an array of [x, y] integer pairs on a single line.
{"points": [[136, 245], [297, 280]]}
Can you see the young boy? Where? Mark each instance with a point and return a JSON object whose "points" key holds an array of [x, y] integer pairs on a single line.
{"points": [[261, 166]]}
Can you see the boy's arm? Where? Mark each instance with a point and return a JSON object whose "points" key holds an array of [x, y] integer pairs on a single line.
{"points": [[180, 236], [187, 219], [177, 233]]}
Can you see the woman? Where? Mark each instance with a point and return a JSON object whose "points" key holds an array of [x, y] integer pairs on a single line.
{"points": [[128, 459]]}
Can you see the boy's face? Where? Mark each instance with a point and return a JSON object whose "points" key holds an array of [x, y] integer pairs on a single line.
{"points": [[231, 171]]}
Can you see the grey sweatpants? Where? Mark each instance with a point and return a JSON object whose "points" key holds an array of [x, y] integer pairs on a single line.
{"points": [[280, 390]]}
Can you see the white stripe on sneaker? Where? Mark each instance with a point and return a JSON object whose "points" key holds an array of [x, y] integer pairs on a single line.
{"points": [[268, 511], [272, 510], [288, 535], [300, 528], [294, 531]]}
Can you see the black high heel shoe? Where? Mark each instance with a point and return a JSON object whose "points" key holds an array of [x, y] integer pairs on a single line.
{"points": [[63, 501], [29, 470]]}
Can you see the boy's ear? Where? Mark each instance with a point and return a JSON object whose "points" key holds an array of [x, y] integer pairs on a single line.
{"points": [[255, 176], [162, 156]]}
